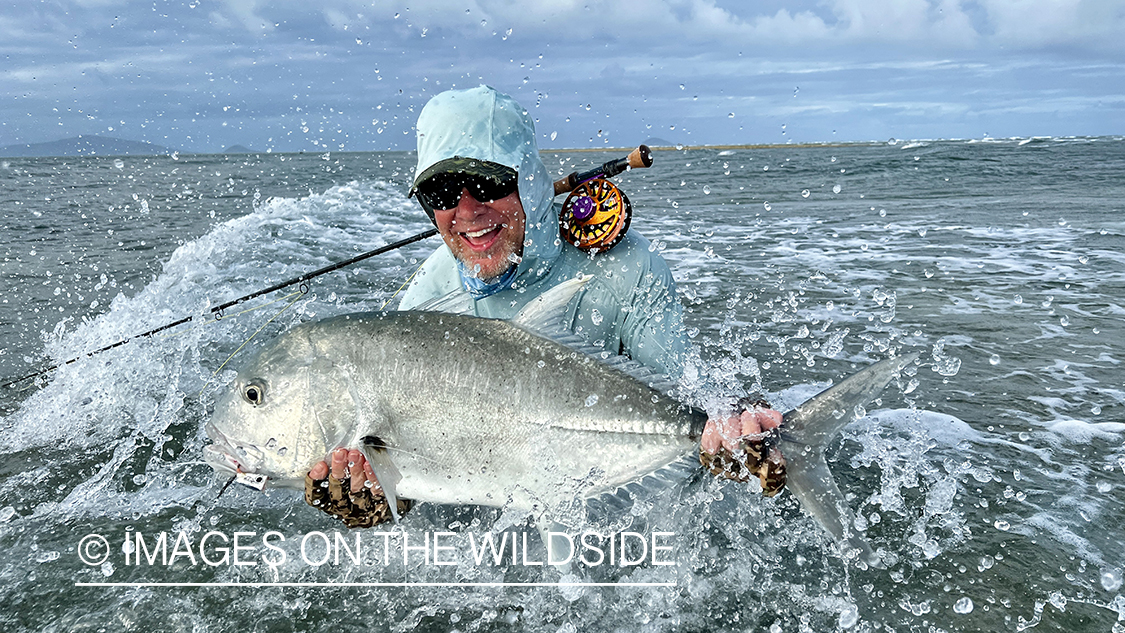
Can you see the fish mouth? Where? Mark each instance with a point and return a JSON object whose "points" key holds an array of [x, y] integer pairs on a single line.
{"points": [[221, 460], [221, 453]]}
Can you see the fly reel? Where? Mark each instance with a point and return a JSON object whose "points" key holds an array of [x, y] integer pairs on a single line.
{"points": [[595, 216]]}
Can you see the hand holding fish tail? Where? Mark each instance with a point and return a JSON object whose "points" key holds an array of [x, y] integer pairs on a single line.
{"points": [[349, 490], [736, 447]]}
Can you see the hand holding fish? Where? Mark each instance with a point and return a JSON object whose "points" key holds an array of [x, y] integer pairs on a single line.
{"points": [[349, 490], [738, 446]]}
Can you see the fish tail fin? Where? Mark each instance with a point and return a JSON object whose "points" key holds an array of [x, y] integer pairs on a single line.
{"points": [[808, 478], [810, 427]]}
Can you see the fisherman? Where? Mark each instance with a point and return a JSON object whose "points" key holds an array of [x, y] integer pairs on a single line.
{"points": [[482, 183]]}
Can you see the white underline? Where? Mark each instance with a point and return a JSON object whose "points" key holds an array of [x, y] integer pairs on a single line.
{"points": [[374, 584]]}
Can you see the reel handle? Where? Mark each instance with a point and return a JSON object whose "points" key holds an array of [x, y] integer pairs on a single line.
{"points": [[637, 159]]}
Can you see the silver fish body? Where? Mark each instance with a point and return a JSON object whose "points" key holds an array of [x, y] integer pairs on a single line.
{"points": [[463, 410], [471, 411]]}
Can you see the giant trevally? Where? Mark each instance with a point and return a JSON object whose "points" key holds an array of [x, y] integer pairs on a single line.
{"points": [[456, 409]]}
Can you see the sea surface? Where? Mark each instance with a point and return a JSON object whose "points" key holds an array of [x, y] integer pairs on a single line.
{"points": [[991, 477]]}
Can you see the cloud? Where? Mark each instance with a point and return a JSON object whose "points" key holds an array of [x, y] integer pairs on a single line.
{"points": [[1077, 23], [861, 66]]}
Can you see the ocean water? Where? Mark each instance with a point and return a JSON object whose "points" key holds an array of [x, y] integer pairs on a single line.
{"points": [[991, 477]]}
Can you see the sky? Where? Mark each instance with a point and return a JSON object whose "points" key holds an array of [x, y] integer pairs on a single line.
{"points": [[344, 75]]}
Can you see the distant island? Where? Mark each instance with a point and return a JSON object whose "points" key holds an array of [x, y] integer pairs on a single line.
{"points": [[239, 149], [659, 142], [85, 145]]}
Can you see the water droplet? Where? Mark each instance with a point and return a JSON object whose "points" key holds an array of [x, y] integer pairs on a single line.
{"points": [[1082, 259], [921, 232], [592, 399], [963, 606], [596, 318], [120, 164], [837, 188], [1002, 525], [1111, 579], [931, 549], [929, 273], [849, 616], [1017, 299], [706, 189], [767, 206], [1096, 409], [1064, 320], [553, 135], [804, 193], [994, 359]]}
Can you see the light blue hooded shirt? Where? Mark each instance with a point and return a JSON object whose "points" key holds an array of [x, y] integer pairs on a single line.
{"points": [[629, 307]]}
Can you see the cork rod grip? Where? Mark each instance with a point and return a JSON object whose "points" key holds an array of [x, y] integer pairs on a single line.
{"points": [[640, 157], [637, 159]]}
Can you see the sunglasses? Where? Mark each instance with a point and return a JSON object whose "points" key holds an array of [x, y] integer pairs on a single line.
{"points": [[443, 191]]}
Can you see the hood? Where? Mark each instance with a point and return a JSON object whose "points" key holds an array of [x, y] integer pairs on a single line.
{"points": [[485, 124]]}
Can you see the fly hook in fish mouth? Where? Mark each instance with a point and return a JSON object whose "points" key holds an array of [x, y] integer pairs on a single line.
{"points": [[252, 480]]}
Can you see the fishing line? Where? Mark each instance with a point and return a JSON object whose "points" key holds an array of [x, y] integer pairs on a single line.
{"points": [[303, 292], [388, 301]]}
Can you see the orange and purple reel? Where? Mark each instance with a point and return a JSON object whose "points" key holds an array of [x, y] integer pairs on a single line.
{"points": [[595, 216]]}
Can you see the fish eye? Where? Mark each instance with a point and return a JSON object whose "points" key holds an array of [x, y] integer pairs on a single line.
{"points": [[254, 393]]}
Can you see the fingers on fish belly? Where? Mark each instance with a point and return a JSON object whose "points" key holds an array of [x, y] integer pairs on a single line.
{"points": [[365, 507], [759, 455]]}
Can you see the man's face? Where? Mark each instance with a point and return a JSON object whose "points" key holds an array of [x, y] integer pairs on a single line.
{"points": [[487, 237]]}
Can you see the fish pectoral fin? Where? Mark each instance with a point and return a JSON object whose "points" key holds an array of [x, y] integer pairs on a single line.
{"points": [[385, 471]]}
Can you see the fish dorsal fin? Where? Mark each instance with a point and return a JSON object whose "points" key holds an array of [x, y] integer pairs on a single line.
{"points": [[457, 302], [546, 316]]}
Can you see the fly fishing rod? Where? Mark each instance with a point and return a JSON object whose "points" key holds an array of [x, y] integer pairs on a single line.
{"points": [[640, 157], [218, 310]]}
